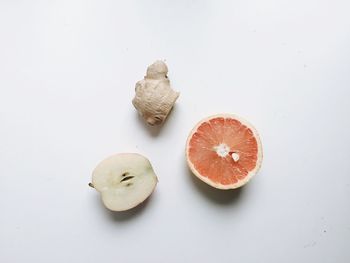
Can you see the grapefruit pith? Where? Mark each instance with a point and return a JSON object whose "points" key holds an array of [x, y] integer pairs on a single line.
{"points": [[224, 151]]}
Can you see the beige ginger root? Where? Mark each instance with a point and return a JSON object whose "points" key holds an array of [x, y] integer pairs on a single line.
{"points": [[154, 98]]}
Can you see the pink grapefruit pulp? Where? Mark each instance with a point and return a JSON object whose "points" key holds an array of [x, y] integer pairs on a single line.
{"points": [[224, 151]]}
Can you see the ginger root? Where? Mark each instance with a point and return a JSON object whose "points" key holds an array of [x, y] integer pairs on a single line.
{"points": [[154, 98]]}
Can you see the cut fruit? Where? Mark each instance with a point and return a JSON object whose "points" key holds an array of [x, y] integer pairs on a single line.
{"points": [[124, 180], [224, 151]]}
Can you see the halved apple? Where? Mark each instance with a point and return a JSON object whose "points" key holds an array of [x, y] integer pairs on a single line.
{"points": [[124, 180]]}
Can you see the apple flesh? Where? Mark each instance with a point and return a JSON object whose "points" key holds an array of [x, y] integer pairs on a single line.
{"points": [[124, 180]]}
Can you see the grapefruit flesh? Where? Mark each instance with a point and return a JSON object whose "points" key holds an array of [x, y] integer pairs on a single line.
{"points": [[224, 151]]}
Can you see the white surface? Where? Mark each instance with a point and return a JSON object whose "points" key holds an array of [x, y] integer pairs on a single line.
{"points": [[67, 75]]}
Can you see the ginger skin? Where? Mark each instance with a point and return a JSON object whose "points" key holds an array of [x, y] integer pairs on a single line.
{"points": [[154, 98]]}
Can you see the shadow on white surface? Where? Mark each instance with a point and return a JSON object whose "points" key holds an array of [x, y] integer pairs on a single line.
{"points": [[221, 197], [124, 216]]}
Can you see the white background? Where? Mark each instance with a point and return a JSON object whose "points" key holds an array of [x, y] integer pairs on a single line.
{"points": [[67, 76]]}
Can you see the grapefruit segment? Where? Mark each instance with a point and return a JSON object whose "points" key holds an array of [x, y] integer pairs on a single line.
{"points": [[224, 151]]}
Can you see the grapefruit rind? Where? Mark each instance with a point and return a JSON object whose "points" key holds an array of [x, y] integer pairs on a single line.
{"points": [[250, 174]]}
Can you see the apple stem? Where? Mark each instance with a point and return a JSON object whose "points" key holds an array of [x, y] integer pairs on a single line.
{"points": [[91, 185]]}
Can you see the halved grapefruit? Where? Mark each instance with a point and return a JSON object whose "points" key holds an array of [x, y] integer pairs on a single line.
{"points": [[224, 151]]}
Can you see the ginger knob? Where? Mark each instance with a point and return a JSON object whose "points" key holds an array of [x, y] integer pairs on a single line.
{"points": [[154, 98]]}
